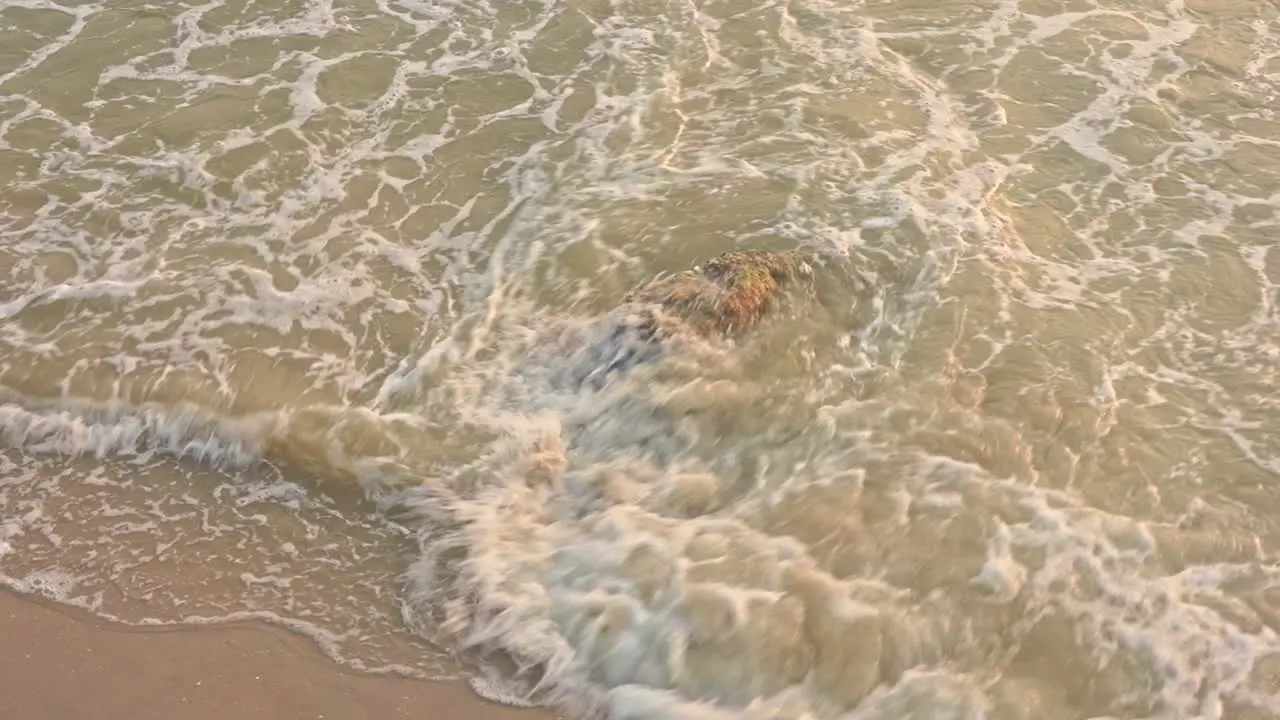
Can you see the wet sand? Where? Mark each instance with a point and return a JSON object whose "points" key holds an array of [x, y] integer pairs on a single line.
{"points": [[62, 664]]}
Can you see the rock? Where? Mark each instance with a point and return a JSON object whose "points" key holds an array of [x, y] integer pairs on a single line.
{"points": [[732, 292], [726, 296]]}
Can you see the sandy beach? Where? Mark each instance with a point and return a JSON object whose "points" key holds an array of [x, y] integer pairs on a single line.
{"points": [[61, 664]]}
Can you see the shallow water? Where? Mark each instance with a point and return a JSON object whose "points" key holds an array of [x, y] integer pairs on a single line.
{"points": [[298, 296]]}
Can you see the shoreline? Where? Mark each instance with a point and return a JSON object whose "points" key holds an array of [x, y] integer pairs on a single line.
{"points": [[63, 663]]}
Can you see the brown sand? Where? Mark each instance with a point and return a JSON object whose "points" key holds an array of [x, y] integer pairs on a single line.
{"points": [[61, 664]]}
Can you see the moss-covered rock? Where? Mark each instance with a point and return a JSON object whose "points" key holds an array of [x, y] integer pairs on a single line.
{"points": [[724, 297], [731, 293]]}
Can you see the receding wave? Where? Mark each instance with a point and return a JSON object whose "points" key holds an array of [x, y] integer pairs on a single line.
{"points": [[311, 312]]}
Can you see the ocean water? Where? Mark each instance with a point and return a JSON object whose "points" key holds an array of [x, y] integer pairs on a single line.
{"points": [[298, 296]]}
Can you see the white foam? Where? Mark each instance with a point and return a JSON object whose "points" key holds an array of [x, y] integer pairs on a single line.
{"points": [[685, 541], [53, 585], [110, 429]]}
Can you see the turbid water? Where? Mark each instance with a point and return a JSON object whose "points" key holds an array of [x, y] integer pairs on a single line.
{"points": [[295, 294]]}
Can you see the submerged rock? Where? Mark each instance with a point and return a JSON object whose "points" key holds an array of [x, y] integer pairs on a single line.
{"points": [[721, 298], [731, 293]]}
